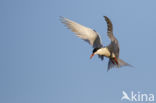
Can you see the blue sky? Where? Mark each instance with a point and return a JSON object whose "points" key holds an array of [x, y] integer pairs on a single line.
{"points": [[43, 62]]}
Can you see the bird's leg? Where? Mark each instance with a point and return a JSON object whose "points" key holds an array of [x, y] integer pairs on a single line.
{"points": [[116, 61], [112, 61]]}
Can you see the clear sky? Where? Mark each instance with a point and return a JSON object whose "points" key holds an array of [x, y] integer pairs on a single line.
{"points": [[43, 62]]}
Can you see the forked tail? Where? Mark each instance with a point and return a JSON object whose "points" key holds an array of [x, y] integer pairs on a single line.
{"points": [[121, 63]]}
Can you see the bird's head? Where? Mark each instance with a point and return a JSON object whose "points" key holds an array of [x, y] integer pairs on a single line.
{"points": [[94, 52]]}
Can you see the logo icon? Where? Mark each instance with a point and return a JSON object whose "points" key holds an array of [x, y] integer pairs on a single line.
{"points": [[125, 96]]}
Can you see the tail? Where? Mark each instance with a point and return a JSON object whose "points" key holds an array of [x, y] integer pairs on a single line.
{"points": [[121, 63]]}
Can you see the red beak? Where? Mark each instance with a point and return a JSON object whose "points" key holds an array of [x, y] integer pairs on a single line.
{"points": [[91, 56]]}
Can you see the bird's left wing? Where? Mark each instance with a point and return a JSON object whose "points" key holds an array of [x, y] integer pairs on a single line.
{"points": [[110, 29], [85, 33], [114, 45]]}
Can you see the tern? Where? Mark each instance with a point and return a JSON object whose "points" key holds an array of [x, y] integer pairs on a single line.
{"points": [[92, 37]]}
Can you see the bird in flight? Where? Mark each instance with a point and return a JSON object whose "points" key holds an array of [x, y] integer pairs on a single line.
{"points": [[92, 37]]}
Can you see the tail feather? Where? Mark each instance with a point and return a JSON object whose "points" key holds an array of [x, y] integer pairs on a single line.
{"points": [[121, 63]]}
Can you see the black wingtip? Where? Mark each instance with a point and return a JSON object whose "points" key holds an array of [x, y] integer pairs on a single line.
{"points": [[105, 17]]}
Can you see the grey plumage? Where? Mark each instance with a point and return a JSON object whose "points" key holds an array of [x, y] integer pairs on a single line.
{"points": [[85, 33], [92, 37], [113, 47]]}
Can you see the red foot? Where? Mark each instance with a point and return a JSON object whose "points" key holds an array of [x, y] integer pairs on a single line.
{"points": [[112, 61], [116, 61]]}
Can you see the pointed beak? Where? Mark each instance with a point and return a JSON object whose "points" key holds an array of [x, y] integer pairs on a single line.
{"points": [[91, 56]]}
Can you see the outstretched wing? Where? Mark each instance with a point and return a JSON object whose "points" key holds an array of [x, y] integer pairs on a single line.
{"points": [[110, 29], [87, 34], [114, 46]]}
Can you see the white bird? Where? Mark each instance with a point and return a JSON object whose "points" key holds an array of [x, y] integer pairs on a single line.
{"points": [[125, 96], [92, 37]]}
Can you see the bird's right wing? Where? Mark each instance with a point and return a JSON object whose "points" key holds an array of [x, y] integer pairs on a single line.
{"points": [[87, 34]]}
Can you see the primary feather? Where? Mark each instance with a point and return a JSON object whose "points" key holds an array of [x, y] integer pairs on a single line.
{"points": [[85, 33]]}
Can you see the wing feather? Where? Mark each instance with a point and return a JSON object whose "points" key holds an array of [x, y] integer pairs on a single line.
{"points": [[85, 33], [110, 29], [114, 45]]}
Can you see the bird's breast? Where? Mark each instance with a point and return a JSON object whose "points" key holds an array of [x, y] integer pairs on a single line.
{"points": [[104, 51]]}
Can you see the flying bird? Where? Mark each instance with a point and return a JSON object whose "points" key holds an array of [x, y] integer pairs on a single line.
{"points": [[92, 37]]}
